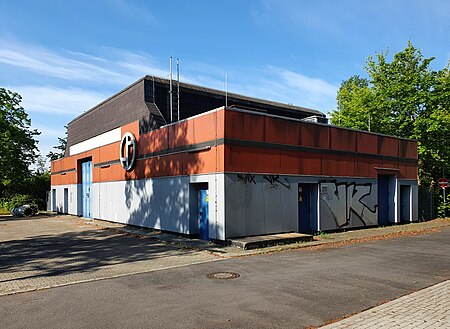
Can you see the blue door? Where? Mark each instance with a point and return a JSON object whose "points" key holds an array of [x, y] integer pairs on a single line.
{"points": [[86, 181], [54, 208], [203, 210], [304, 208], [383, 200]]}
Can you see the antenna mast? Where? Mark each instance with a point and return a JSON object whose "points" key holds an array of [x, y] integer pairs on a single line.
{"points": [[178, 89], [226, 90], [170, 92]]}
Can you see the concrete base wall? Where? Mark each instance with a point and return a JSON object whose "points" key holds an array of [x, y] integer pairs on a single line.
{"points": [[161, 203], [239, 204], [348, 203], [255, 206], [59, 205]]}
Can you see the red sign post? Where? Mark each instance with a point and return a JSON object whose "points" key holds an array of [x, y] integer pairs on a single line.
{"points": [[443, 184]]}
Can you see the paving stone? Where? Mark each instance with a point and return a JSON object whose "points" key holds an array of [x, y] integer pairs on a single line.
{"points": [[426, 308]]}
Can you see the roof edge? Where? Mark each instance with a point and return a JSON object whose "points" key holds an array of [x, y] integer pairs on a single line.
{"points": [[107, 99], [204, 89]]}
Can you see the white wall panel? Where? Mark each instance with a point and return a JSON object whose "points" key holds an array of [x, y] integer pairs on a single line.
{"points": [[72, 198], [216, 190], [97, 141]]}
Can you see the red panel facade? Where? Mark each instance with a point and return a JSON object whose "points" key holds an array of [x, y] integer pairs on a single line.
{"points": [[242, 141], [312, 149]]}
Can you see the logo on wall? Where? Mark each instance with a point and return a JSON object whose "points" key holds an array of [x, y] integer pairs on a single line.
{"points": [[128, 151]]}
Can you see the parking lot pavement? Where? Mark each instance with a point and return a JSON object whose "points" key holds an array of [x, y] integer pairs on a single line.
{"points": [[49, 251], [42, 252], [426, 308], [291, 289]]}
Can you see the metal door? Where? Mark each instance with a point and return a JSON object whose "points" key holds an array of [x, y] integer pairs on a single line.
{"points": [[54, 200], [66, 201], [86, 181], [304, 208], [203, 214], [405, 203], [383, 199]]}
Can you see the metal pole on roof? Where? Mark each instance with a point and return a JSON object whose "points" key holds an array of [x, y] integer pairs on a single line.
{"points": [[178, 89], [226, 89], [170, 92]]}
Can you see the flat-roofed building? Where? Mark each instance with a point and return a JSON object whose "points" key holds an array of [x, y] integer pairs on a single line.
{"points": [[250, 168]]}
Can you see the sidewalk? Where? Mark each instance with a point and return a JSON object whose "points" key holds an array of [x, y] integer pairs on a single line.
{"points": [[426, 308], [319, 241]]}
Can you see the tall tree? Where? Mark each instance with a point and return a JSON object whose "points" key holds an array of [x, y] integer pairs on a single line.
{"points": [[61, 148], [18, 146], [403, 97]]}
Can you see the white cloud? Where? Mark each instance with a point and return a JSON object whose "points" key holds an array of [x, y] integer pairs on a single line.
{"points": [[277, 84], [304, 90], [54, 100], [116, 67], [134, 11], [48, 131], [311, 86]]}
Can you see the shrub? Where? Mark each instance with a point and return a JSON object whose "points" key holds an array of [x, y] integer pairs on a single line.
{"points": [[9, 203], [444, 208]]}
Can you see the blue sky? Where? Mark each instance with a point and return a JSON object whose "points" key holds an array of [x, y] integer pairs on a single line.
{"points": [[64, 57]]}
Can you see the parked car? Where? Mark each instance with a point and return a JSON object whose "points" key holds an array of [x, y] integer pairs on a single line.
{"points": [[25, 210]]}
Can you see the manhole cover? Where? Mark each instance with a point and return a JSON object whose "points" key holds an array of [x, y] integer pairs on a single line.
{"points": [[223, 275]]}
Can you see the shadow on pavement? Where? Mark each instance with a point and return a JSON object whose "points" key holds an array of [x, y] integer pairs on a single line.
{"points": [[50, 255]]}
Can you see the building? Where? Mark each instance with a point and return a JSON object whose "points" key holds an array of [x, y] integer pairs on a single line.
{"points": [[252, 167]]}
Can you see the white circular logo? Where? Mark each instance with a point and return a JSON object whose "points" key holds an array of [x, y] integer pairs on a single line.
{"points": [[128, 151]]}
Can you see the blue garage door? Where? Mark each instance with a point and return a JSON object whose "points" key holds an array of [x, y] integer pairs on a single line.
{"points": [[86, 181], [203, 210]]}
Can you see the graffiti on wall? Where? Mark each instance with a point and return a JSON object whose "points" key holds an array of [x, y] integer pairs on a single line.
{"points": [[274, 179], [349, 203], [246, 178]]}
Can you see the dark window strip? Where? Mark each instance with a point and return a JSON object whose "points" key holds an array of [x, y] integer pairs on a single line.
{"points": [[106, 163], [63, 171], [188, 148], [287, 147]]}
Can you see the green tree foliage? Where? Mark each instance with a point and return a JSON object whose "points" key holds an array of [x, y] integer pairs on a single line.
{"points": [[61, 148], [405, 98], [18, 146]]}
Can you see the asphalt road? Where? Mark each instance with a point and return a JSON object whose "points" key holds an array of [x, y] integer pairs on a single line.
{"points": [[291, 289]]}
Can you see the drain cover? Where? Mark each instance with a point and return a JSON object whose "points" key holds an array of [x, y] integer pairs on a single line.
{"points": [[223, 275]]}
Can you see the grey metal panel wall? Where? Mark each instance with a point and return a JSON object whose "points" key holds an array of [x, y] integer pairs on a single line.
{"points": [[161, 203], [254, 208], [347, 203], [259, 207], [234, 207], [289, 207], [272, 208]]}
